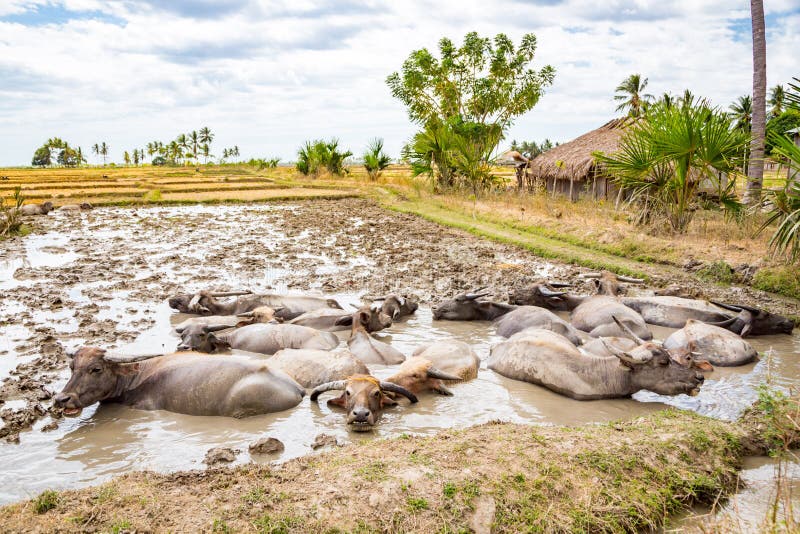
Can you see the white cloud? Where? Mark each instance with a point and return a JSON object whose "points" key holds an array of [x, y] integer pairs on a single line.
{"points": [[267, 75]]}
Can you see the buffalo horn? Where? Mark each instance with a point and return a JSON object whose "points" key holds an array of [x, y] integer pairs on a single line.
{"points": [[627, 330], [239, 293], [621, 354], [245, 314], [589, 275], [195, 301], [433, 372], [546, 292], [477, 294], [630, 279], [122, 358], [726, 306], [394, 388], [559, 284], [725, 323], [215, 327], [328, 386]]}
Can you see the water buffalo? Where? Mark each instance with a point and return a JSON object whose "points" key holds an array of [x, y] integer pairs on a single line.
{"points": [[468, 307], [262, 338], [596, 316], [435, 364], [314, 367], [76, 207], [548, 295], [365, 347], [363, 398], [673, 312], [396, 306], [534, 316], [335, 320], [713, 343], [37, 209], [286, 307], [548, 359], [181, 382]]}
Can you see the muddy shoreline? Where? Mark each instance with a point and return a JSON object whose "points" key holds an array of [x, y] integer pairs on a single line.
{"points": [[350, 245]]}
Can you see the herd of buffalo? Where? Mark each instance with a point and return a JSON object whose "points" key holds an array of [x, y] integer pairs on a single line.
{"points": [[605, 350]]}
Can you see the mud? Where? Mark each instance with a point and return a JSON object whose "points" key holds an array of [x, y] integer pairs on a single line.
{"points": [[101, 277]]}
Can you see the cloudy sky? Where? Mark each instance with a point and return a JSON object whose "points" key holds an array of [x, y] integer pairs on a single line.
{"points": [[266, 75]]}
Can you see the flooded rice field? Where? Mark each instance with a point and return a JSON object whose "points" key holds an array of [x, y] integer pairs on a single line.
{"points": [[102, 278]]}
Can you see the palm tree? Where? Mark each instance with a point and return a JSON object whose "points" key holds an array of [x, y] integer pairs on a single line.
{"points": [[629, 95], [375, 159], [96, 149], [104, 152], [183, 144], [194, 140], [776, 98], [741, 112], [79, 154], [206, 137], [127, 158], [206, 150], [755, 171], [235, 152]]}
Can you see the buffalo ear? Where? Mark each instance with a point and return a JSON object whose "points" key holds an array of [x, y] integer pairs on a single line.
{"points": [[180, 329], [363, 318], [346, 320], [704, 365], [387, 401], [339, 401], [126, 369]]}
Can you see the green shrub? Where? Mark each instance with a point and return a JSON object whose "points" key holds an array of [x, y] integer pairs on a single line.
{"points": [[316, 156], [717, 271], [783, 280], [47, 500]]}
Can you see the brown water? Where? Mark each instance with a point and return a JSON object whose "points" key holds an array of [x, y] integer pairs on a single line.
{"points": [[111, 439]]}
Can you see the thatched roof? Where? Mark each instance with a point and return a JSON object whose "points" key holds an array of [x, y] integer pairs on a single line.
{"points": [[574, 159]]}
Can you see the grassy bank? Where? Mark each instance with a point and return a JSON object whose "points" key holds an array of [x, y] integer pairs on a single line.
{"points": [[616, 477]]}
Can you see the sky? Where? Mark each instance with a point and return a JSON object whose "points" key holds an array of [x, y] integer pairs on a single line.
{"points": [[267, 75]]}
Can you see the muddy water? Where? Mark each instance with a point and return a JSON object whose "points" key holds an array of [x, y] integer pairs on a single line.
{"points": [[143, 256]]}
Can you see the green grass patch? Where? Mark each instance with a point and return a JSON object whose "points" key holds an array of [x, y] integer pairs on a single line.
{"points": [[718, 272], [783, 280], [153, 195], [46, 501]]}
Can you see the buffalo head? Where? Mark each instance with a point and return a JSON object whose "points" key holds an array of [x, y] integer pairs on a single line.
{"points": [[201, 338], [608, 283], [367, 318], [468, 307], [754, 321], [363, 398], [396, 306], [418, 374], [653, 368], [96, 376], [543, 295]]}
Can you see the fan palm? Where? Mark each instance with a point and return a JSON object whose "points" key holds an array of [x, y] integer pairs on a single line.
{"points": [[375, 159], [664, 159], [630, 95]]}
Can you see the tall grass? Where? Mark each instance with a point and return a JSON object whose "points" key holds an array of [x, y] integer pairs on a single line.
{"points": [[10, 218]]}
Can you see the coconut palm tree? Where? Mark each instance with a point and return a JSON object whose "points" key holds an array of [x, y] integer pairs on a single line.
{"points": [[776, 97], [630, 95], [96, 149], [183, 144], [755, 171], [104, 148], [194, 141], [127, 158], [206, 137], [206, 150], [741, 112]]}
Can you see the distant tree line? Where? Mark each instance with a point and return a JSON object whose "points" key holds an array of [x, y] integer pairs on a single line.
{"points": [[56, 151]]}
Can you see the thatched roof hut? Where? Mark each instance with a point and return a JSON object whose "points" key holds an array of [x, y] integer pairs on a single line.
{"points": [[570, 168]]}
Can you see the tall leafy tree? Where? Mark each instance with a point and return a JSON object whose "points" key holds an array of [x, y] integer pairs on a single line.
{"points": [[485, 81], [631, 96], [755, 171]]}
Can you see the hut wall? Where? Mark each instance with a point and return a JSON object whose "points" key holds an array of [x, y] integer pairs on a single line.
{"points": [[599, 187]]}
